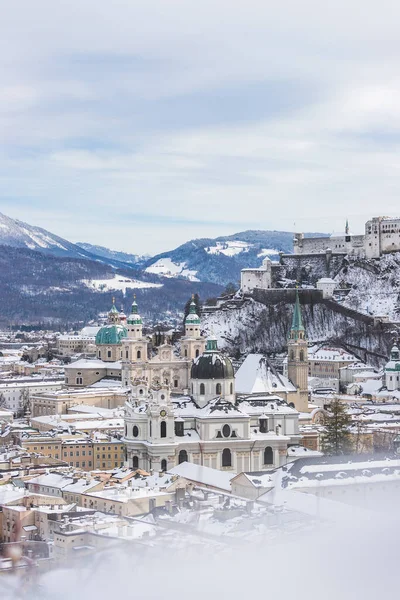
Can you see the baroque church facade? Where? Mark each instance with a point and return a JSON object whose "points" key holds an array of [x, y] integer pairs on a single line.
{"points": [[123, 352], [211, 425]]}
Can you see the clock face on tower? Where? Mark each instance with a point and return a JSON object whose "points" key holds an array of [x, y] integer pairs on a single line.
{"points": [[163, 413]]}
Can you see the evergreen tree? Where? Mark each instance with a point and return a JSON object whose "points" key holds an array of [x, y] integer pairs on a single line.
{"points": [[336, 439]]}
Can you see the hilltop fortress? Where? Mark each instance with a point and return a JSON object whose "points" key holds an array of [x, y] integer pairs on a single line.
{"points": [[382, 235]]}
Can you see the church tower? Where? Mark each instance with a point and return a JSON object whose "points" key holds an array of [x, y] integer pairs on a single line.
{"points": [[134, 349], [298, 357], [192, 344]]}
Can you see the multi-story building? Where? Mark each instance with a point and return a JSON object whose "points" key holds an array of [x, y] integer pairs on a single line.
{"points": [[14, 395], [100, 451], [67, 345]]}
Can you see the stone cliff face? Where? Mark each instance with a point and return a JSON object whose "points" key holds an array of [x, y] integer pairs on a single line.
{"points": [[262, 324]]}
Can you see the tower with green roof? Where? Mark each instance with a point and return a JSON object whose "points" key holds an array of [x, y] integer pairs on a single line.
{"points": [[192, 344], [298, 357], [134, 348], [134, 322]]}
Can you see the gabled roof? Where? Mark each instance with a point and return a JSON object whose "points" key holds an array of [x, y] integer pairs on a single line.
{"points": [[256, 375]]}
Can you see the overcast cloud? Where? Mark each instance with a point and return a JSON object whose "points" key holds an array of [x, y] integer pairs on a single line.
{"points": [[141, 124]]}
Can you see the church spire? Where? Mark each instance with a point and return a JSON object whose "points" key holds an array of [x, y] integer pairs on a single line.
{"points": [[192, 318], [134, 318], [346, 230], [297, 330]]}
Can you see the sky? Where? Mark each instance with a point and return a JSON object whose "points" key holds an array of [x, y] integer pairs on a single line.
{"points": [[139, 125]]}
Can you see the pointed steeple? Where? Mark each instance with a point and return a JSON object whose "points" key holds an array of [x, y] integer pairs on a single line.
{"points": [[347, 227], [192, 318], [297, 330], [134, 318], [113, 315]]}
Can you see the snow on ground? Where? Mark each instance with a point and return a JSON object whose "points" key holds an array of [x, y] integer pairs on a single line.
{"points": [[119, 283], [167, 268], [267, 252], [229, 248], [372, 293]]}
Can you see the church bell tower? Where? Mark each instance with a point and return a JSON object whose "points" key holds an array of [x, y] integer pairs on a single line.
{"points": [[298, 357]]}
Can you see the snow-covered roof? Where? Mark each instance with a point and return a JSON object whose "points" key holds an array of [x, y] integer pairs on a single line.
{"points": [[204, 475], [86, 363], [256, 376], [330, 354], [54, 480]]}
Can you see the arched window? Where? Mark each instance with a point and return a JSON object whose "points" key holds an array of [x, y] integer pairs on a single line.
{"points": [[135, 431], [109, 354], [197, 352], [183, 457], [226, 458], [301, 354], [231, 388], [99, 353], [202, 389], [218, 389], [185, 352], [291, 355], [163, 464], [135, 462], [127, 353], [163, 429], [268, 456], [138, 354]]}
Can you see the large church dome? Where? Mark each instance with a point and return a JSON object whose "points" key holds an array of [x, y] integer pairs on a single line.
{"points": [[212, 364], [111, 334]]}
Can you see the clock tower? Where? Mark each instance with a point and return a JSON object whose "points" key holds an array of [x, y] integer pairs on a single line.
{"points": [[161, 426]]}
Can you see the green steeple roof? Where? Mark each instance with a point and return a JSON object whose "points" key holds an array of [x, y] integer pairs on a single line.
{"points": [[193, 318], [113, 308], [134, 318], [297, 320]]}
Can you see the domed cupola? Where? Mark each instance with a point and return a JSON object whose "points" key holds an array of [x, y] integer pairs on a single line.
{"points": [[392, 370], [395, 353], [212, 364], [110, 335], [212, 375]]}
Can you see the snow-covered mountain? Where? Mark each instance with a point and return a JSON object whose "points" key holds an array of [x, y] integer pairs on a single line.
{"points": [[126, 257], [221, 259], [18, 234]]}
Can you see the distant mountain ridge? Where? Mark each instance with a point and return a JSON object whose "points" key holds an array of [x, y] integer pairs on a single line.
{"points": [[49, 279], [220, 260], [126, 257]]}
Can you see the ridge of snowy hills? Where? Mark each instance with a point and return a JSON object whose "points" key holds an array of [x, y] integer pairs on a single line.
{"points": [[45, 278], [18, 234], [220, 260], [114, 255]]}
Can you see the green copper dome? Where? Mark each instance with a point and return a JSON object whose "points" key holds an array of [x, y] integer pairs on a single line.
{"points": [[111, 334], [192, 318], [134, 318]]}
